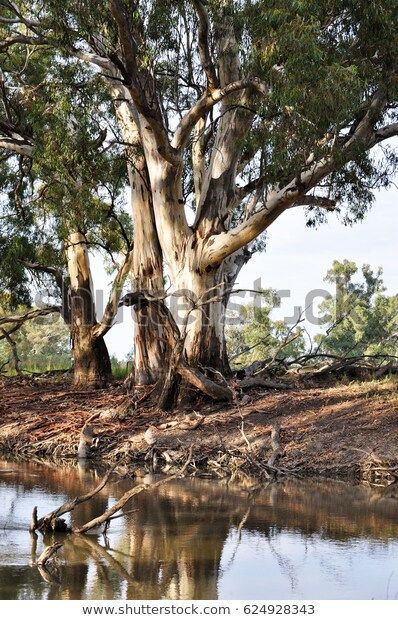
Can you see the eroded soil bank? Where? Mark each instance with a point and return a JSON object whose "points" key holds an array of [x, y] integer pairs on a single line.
{"points": [[324, 429]]}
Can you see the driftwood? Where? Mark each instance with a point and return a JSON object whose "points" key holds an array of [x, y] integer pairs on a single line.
{"points": [[378, 472], [199, 380], [275, 445], [108, 514], [52, 522], [34, 522]]}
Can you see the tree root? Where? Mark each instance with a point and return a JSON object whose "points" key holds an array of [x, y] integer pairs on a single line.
{"points": [[377, 472]]}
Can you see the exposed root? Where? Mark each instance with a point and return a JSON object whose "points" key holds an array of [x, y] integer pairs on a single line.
{"points": [[377, 472]]}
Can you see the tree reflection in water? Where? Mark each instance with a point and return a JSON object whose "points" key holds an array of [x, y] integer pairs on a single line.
{"points": [[183, 538]]}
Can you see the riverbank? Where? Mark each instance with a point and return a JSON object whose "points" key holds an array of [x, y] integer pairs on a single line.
{"points": [[328, 430]]}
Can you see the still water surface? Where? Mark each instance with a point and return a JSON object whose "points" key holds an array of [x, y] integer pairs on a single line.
{"points": [[200, 539]]}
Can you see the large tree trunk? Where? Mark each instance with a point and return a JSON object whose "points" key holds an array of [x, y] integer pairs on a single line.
{"points": [[147, 269], [205, 344], [147, 273], [205, 341], [91, 363], [92, 366]]}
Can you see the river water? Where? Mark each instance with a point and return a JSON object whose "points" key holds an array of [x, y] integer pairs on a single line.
{"points": [[200, 539]]}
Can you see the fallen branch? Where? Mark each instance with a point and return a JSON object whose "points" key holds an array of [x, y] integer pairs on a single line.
{"points": [[105, 517], [275, 445], [51, 522], [203, 383], [265, 383], [87, 438]]}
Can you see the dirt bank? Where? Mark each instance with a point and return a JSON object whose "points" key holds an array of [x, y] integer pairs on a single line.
{"points": [[328, 430]]}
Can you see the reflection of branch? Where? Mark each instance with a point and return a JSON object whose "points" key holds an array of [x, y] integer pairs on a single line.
{"points": [[104, 518], [47, 554], [46, 521]]}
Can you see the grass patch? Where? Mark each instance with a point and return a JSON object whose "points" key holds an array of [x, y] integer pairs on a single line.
{"points": [[120, 370]]}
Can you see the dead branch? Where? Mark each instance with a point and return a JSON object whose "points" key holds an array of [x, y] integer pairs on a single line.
{"points": [[104, 518], [33, 523], [203, 383], [275, 445], [31, 314], [87, 438], [265, 383], [52, 521]]}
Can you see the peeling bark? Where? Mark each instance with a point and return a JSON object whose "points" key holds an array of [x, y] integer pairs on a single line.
{"points": [[147, 266]]}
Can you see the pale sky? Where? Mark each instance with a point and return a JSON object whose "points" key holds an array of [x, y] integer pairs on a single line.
{"points": [[297, 258]]}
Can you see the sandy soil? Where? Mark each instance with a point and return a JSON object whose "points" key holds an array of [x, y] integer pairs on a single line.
{"points": [[324, 429]]}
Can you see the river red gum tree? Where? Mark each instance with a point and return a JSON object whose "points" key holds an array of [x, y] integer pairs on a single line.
{"points": [[243, 111]]}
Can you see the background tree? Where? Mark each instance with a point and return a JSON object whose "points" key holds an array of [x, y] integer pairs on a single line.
{"points": [[63, 197], [257, 337], [42, 344], [360, 319]]}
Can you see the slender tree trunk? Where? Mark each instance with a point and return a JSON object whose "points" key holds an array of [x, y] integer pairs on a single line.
{"points": [[92, 366]]}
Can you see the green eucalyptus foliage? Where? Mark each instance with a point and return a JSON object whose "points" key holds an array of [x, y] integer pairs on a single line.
{"points": [[321, 60], [360, 319]]}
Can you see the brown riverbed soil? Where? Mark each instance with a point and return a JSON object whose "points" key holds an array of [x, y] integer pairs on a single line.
{"points": [[325, 429]]}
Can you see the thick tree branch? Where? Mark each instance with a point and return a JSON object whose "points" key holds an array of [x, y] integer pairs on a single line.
{"points": [[222, 245], [204, 45], [57, 273], [20, 18], [130, 72], [317, 201], [207, 102], [363, 136], [19, 319], [386, 132], [21, 38]]}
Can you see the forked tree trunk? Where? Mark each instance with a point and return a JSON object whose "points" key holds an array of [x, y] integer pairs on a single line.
{"points": [[92, 366]]}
